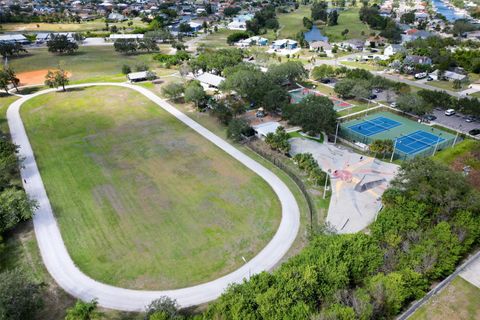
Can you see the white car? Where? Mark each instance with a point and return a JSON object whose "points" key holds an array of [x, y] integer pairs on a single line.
{"points": [[449, 112], [420, 75]]}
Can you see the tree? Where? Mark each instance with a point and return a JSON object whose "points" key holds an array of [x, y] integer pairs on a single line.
{"points": [[237, 128], [185, 28], [457, 84], [20, 299], [333, 18], [125, 46], [290, 72], [237, 36], [61, 44], [126, 69], [15, 206], [11, 49], [381, 146], [58, 78], [278, 140], [314, 114], [147, 44], [4, 80], [359, 91], [408, 18], [173, 90], [12, 77], [319, 11], [83, 311], [413, 103], [194, 93], [165, 305]]}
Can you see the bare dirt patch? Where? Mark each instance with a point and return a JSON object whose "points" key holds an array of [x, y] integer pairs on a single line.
{"points": [[34, 77], [470, 162]]}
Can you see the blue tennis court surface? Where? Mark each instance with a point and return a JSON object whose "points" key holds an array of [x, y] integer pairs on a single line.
{"points": [[417, 141], [374, 126]]}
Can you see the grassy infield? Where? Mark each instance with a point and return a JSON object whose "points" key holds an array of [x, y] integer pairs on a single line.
{"points": [[173, 246]]}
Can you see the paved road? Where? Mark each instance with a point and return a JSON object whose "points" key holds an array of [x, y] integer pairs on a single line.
{"points": [[71, 279]]}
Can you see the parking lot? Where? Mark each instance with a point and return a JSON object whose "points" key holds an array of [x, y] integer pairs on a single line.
{"points": [[457, 121]]}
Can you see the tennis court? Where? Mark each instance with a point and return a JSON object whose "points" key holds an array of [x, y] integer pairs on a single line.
{"points": [[298, 95], [374, 126], [417, 141], [412, 139]]}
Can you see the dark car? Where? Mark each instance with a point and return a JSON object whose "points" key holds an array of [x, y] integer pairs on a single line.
{"points": [[470, 119], [372, 97], [474, 132], [429, 117], [325, 80]]}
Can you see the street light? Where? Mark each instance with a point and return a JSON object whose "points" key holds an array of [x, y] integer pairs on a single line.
{"points": [[436, 145], [394, 148]]}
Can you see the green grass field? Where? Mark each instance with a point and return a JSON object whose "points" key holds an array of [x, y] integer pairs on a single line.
{"points": [[292, 23], [216, 40], [95, 25], [370, 66], [89, 63], [460, 300], [142, 201], [347, 19]]}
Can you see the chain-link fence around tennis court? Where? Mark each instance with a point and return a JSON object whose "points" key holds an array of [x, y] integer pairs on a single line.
{"points": [[349, 131]]}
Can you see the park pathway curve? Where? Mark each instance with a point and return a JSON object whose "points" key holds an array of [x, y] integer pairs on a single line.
{"points": [[62, 268]]}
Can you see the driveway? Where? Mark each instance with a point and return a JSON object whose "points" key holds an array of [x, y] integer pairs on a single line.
{"points": [[357, 183], [61, 267]]}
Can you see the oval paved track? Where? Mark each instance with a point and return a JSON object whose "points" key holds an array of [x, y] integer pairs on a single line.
{"points": [[59, 264]]}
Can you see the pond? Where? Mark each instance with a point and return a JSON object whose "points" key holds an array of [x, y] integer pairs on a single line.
{"points": [[314, 35], [448, 12]]}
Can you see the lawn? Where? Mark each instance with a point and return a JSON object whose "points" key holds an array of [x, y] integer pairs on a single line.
{"points": [[95, 25], [460, 300], [348, 19], [292, 23], [5, 101], [370, 66], [447, 85], [357, 108], [89, 63], [216, 40], [143, 201]]}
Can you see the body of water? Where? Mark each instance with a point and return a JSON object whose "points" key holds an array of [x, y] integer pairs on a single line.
{"points": [[449, 13], [314, 35]]}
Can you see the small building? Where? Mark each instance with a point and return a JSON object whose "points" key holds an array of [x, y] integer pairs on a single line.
{"points": [[114, 16], [210, 80], [141, 76], [259, 41], [321, 46], [195, 26], [393, 49], [134, 36], [237, 25], [448, 75], [354, 44], [284, 44], [263, 129], [14, 38]]}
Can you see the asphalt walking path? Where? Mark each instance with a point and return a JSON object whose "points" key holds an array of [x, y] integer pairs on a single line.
{"points": [[62, 268]]}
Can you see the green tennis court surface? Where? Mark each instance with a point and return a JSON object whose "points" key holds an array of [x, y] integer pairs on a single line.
{"points": [[411, 138]]}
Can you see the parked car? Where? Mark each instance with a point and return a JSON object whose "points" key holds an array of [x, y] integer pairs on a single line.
{"points": [[377, 90], [429, 78], [429, 117], [372, 97], [420, 75], [474, 132], [393, 104], [325, 80], [470, 119], [449, 112]]}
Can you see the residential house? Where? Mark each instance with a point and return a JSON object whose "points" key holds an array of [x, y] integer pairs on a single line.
{"points": [[354, 44], [393, 49], [413, 34], [114, 16], [14, 38], [263, 129], [321, 46], [210, 80], [284, 44], [448, 75], [375, 41]]}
